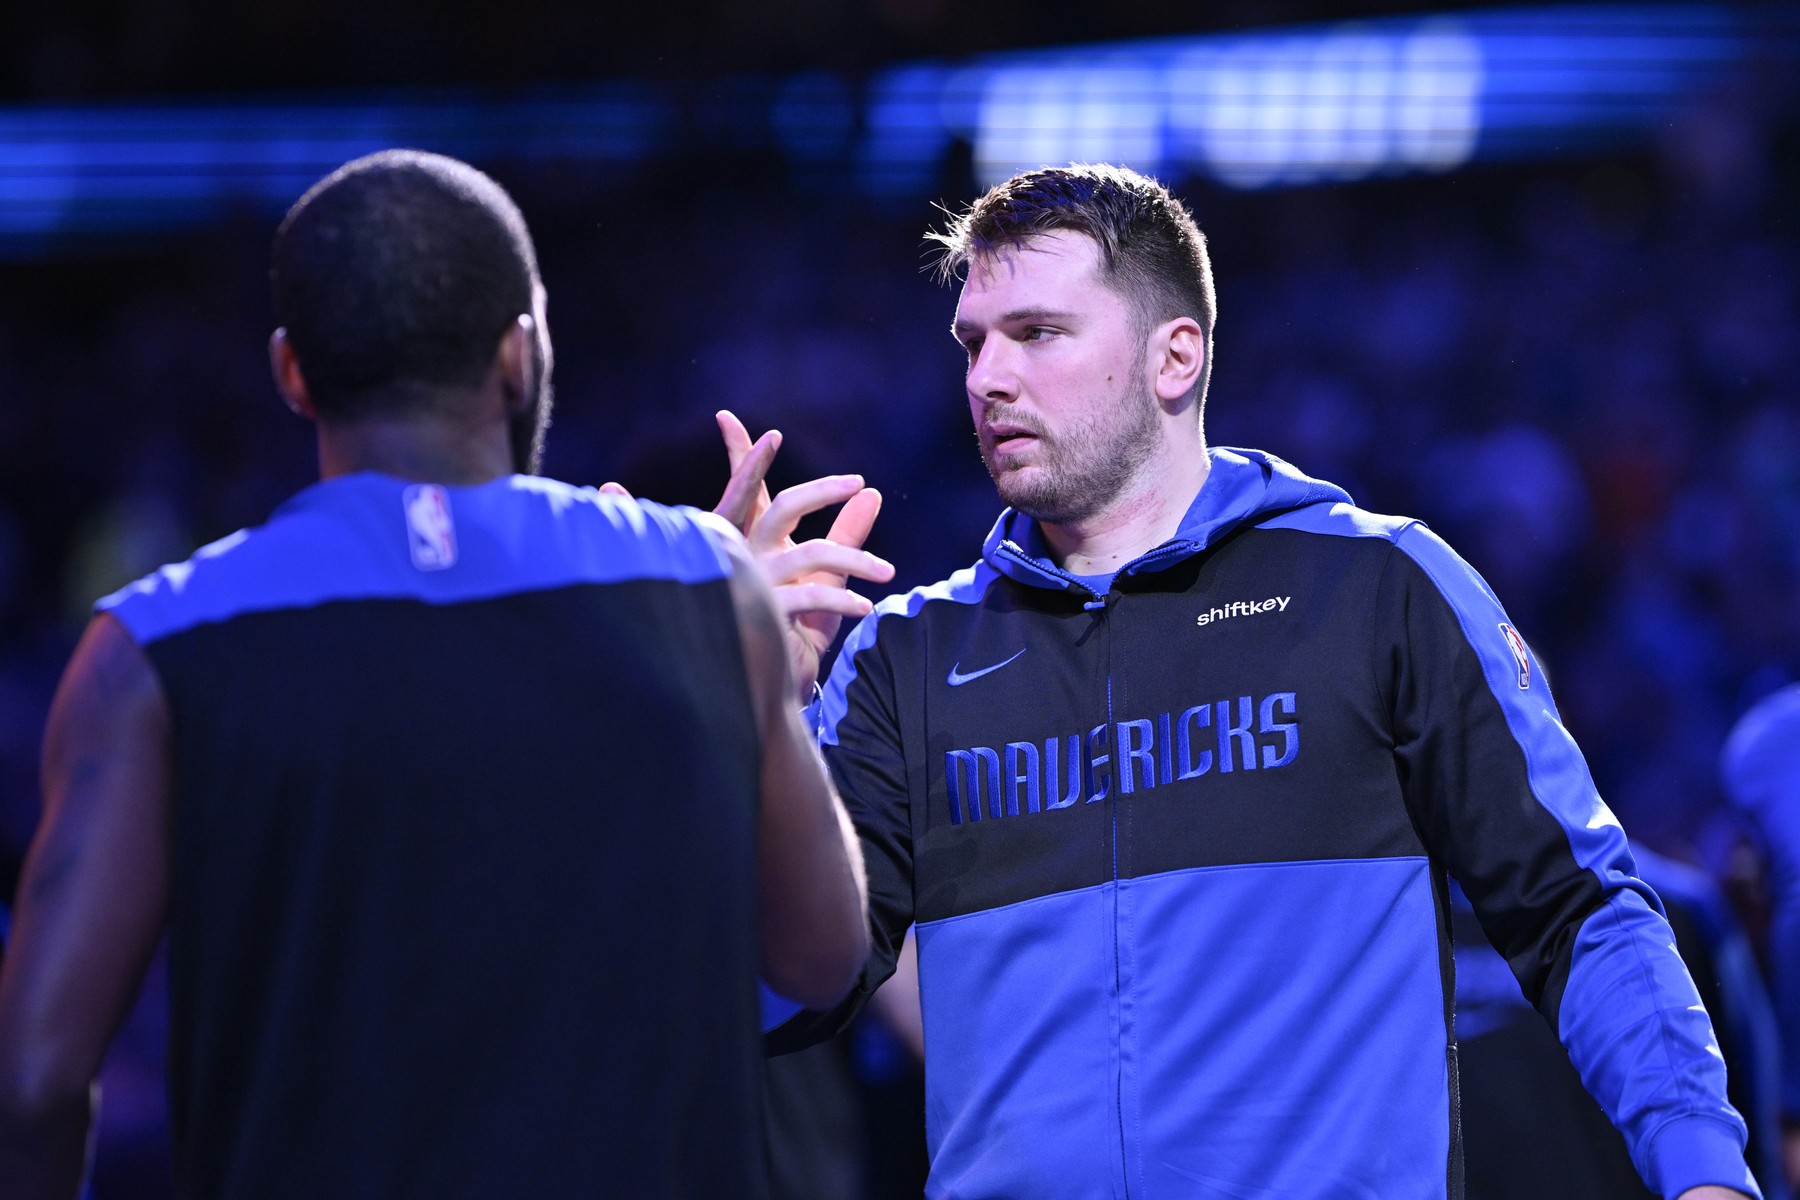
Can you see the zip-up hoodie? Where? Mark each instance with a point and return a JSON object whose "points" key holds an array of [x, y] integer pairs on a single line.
{"points": [[1177, 857]]}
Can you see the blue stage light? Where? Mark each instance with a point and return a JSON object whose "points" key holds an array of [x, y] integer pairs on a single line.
{"points": [[1300, 106]]}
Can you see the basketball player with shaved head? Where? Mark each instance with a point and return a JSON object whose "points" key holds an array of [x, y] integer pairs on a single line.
{"points": [[472, 803]]}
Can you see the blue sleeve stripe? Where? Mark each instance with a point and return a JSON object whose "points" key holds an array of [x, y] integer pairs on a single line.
{"points": [[348, 539], [1340, 520], [967, 586], [1629, 1013], [1555, 769], [1557, 773]]}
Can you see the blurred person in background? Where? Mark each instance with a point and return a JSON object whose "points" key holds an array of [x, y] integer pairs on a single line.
{"points": [[1760, 767], [1173, 779], [472, 802]]}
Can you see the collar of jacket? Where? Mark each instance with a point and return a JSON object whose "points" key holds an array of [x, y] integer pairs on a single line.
{"points": [[1242, 487]]}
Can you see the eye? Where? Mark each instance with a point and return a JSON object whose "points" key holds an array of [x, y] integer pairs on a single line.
{"points": [[972, 347], [1037, 333]]}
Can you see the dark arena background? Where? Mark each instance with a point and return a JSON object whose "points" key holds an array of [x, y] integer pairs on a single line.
{"points": [[1527, 273]]}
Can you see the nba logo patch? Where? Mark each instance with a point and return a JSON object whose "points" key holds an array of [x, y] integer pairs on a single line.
{"points": [[430, 531], [1521, 656]]}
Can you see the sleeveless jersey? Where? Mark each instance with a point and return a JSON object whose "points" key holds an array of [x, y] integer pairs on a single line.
{"points": [[464, 821]]}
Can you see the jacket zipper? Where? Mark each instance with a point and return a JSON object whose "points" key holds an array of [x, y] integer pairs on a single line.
{"points": [[1103, 612], [1100, 606]]}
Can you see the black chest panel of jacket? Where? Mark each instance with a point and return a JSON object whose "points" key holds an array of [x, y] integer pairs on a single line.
{"points": [[1223, 711]]}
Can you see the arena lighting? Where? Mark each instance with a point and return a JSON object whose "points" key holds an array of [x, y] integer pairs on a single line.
{"points": [[1312, 105], [1307, 105], [127, 169], [1295, 109]]}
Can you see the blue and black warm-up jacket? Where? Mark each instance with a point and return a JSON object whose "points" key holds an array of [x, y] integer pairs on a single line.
{"points": [[1177, 857]]}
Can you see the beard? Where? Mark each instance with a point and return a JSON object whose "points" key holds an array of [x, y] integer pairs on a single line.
{"points": [[527, 428], [1079, 471]]}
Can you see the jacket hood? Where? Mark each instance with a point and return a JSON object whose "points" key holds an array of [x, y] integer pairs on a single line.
{"points": [[1242, 487]]}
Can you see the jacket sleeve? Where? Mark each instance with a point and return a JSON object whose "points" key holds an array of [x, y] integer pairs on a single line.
{"points": [[1504, 800], [859, 735]]}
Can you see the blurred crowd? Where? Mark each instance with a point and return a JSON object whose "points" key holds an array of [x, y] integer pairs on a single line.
{"points": [[1586, 376]]}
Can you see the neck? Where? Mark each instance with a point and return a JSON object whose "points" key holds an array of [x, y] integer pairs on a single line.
{"points": [[1144, 516], [428, 449]]}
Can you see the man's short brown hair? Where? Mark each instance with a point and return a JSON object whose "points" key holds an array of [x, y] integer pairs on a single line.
{"points": [[1151, 251]]}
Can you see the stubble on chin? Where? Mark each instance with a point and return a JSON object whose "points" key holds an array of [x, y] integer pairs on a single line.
{"points": [[1040, 494], [1034, 488], [1070, 482]]}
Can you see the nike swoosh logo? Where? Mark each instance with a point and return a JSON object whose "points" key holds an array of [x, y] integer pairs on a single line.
{"points": [[957, 678]]}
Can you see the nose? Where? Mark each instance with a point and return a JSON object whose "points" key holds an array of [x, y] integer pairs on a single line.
{"points": [[992, 375]]}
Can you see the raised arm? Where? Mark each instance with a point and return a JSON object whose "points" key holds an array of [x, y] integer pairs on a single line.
{"points": [[812, 902], [90, 907]]}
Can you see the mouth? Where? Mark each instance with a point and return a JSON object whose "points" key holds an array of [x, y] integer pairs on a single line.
{"points": [[1004, 438]]}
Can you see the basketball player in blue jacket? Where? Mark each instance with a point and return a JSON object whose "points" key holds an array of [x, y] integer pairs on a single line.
{"points": [[1172, 780]]}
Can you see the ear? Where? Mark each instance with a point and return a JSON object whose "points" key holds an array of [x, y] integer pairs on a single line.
{"points": [[1178, 353], [517, 364], [284, 364]]}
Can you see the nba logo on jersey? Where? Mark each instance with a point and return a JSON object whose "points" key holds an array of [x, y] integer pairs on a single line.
{"points": [[429, 528], [1516, 644]]}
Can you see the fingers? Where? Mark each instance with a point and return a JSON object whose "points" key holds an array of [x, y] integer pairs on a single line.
{"points": [[856, 519], [610, 488], [769, 524], [822, 555], [746, 495], [793, 599], [787, 509], [737, 438]]}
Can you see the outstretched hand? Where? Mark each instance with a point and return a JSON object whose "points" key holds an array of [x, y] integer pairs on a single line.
{"points": [[810, 578]]}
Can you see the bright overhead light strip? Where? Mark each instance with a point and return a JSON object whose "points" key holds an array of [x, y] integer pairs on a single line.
{"points": [[1310, 105]]}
